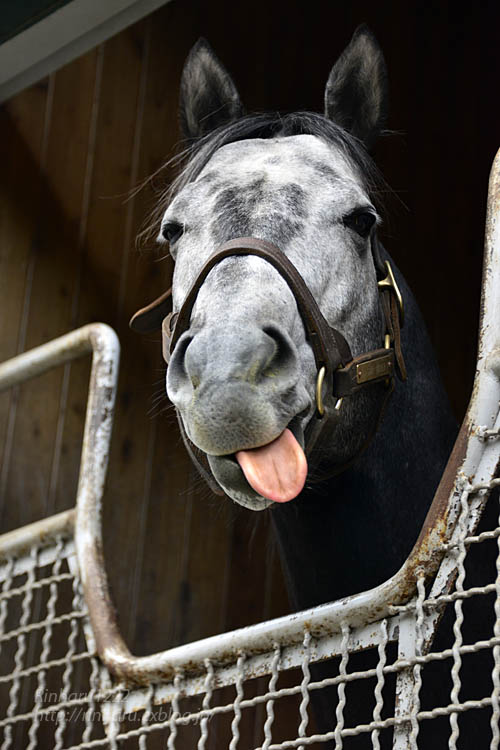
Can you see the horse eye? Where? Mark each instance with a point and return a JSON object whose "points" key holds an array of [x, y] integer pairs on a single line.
{"points": [[172, 231], [361, 222]]}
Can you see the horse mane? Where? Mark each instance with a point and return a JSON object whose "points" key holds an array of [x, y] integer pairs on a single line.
{"points": [[193, 159]]}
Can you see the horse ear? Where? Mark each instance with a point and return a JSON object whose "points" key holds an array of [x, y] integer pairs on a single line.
{"points": [[208, 96], [356, 91]]}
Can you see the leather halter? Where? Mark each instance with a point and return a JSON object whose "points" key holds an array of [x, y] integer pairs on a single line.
{"points": [[339, 374]]}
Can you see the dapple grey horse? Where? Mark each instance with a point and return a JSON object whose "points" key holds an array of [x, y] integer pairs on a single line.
{"points": [[242, 374]]}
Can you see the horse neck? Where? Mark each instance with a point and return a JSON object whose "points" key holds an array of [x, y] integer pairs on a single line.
{"points": [[354, 531]]}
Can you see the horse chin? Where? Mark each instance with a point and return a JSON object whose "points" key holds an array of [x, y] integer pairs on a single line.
{"points": [[229, 476]]}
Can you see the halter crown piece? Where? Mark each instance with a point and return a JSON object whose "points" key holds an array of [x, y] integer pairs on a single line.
{"points": [[339, 374]]}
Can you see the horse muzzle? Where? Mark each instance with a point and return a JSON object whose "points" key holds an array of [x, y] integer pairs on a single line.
{"points": [[236, 387]]}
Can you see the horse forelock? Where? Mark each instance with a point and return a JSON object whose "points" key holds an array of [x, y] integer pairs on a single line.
{"points": [[195, 158], [268, 126]]}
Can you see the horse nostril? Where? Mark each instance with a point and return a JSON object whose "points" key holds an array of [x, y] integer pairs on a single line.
{"points": [[177, 372], [181, 349], [283, 361]]}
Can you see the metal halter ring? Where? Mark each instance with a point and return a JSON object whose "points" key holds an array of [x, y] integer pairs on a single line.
{"points": [[319, 391]]}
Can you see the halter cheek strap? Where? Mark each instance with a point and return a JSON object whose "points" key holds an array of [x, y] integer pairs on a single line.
{"points": [[339, 374]]}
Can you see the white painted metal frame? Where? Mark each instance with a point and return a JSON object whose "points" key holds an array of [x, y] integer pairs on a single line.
{"points": [[41, 558], [101, 341]]}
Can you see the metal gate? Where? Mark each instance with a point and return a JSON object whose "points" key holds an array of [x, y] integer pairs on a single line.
{"points": [[58, 631]]}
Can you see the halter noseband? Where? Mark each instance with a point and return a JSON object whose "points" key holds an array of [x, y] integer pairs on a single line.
{"points": [[339, 375]]}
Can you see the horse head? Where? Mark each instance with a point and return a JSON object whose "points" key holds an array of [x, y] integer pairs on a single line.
{"points": [[243, 373]]}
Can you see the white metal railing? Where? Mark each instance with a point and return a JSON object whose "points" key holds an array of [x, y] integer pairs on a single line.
{"points": [[258, 682], [47, 649]]}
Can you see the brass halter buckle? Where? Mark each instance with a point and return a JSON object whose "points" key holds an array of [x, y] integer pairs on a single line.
{"points": [[390, 283]]}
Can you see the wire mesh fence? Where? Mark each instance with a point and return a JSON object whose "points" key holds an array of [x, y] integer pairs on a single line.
{"points": [[44, 650], [386, 684]]}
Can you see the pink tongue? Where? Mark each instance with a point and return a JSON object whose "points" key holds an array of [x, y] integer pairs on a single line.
{"points": [[277, 470]]}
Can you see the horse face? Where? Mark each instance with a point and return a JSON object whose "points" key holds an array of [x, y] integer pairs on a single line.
{"points": [[243, 377], [244, 371]]}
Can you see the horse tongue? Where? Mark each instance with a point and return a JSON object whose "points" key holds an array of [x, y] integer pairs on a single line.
{"points": [[277, 470]]}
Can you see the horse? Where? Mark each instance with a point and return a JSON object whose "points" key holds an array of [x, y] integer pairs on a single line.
{"points": [[280, 284]]}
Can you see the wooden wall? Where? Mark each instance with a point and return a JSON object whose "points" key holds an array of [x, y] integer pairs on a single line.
{"points": [[183, 563]]}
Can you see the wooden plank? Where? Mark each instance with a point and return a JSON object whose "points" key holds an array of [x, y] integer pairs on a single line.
{"points": [[20, 183], [48, 302], [254, 559], [47, 309], [104, 228], [111, 241]]}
